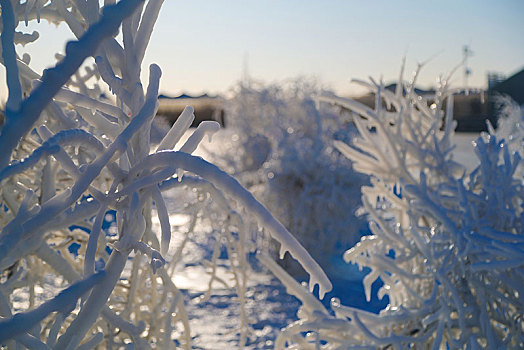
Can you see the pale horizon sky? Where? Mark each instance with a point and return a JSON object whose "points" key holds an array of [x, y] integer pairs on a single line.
{"points": [[201, 45]]}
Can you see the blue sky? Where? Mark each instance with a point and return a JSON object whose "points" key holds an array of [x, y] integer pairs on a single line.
{"points": [[201, 45]]}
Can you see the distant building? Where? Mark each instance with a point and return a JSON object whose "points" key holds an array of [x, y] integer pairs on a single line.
{"points": [[206, 107], [494, 78], [512, 87], [470, 110]]}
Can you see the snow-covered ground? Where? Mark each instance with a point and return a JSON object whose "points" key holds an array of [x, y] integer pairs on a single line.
{"points": [[215, 321], [464, 152]]}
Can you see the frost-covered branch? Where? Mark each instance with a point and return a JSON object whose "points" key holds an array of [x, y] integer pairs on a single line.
{"points": [[76, 161], [9, 57], [232, 188], [64, 303], [440, 236], [19, 121]]}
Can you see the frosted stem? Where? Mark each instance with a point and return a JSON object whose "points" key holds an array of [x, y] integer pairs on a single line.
{"points": [[9, 57], [163, 216], [207, 127], [94, 304], [54, 78], [178, 129], [231, 187], [146, 28], [63, 302]]}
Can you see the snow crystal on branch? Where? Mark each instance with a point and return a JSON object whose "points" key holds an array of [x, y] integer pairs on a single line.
{"points": [[444, 241], [75, 160]]}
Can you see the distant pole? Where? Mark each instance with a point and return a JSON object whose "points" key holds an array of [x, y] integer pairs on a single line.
{"points": [[246, 80], [466, 53]]}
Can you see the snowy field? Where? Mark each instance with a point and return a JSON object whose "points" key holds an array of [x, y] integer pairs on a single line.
{"points": [[464, 152]]}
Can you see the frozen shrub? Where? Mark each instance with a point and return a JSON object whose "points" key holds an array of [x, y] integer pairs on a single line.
{"points": [[510, 123], [71, 159], [283, 151], [447, 244]]}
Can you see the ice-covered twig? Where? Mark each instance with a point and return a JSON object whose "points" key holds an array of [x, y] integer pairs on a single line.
{"points": [[77, 99], [9, 56], [231, 187], [157, 261], [64, 302], [52, 146], [92, 244], [205, 128], [31, 342], [292, 286], [146, 28], [54, 78], [178, 129], [163, 216], [92, 342]]}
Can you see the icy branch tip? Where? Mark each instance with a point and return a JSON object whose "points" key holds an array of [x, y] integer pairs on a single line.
{"points": [[155, 71], [323, 288], [299, 253], [205, 128], [178, 129]]}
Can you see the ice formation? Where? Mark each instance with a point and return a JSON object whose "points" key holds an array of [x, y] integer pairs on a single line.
{"points": [[446, 243], [282, 150], [71, 157]]}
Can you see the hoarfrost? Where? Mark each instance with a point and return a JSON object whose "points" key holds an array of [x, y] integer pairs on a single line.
{"points": [[71, 156]]}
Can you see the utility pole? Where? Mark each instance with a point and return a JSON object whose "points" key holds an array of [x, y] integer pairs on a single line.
{"points": [[466, 53], [245, 78]]}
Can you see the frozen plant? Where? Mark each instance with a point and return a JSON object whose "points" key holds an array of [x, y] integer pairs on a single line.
{"points": [[283, 151], [72, 157], [510, 123], [447, 244]]}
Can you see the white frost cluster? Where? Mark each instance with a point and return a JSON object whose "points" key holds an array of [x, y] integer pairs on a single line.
{"points": [[283, 152], [447, 244], [69, 156], [510, 124]]}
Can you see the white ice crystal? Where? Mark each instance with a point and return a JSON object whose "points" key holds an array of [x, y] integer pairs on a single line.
{"points": [[282, 150], [446, 243], [71, 157]]}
